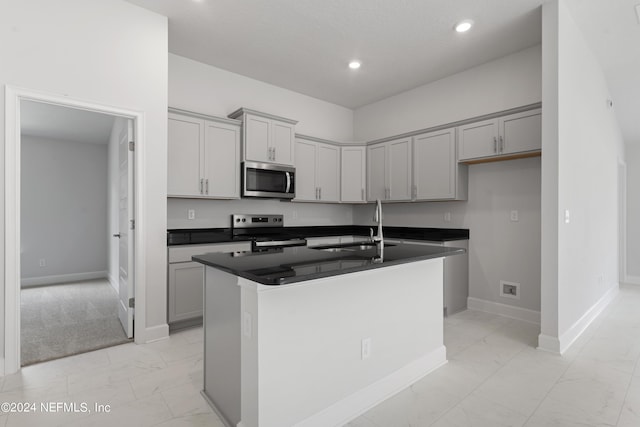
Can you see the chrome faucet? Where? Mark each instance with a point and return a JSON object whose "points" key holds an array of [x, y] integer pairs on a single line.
{"points": [[379, 238], [378, 218]]}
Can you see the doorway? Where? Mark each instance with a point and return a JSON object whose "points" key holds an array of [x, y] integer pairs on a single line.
{"points": [[74, 225], [124, 127]]}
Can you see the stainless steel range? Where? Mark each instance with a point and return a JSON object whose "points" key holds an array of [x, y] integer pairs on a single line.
{"points": [[265, 231]]}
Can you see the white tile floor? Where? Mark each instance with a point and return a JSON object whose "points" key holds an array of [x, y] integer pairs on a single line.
{"points": [[495, 377]]}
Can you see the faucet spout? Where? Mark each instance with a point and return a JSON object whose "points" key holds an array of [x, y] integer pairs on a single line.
{"points": [[378, 218]]}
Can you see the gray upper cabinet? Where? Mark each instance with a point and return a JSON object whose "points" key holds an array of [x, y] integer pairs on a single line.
{"points": [[353, 171], [203, 156], [266, 138], [389, 170], [317, 171], [515, 135], [436, 172]]}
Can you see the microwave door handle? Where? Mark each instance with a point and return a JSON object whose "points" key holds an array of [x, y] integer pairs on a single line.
{"points": [[288, 182]]}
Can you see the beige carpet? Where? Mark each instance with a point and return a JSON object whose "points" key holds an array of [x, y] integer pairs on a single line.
{"points": [[66, 319]]}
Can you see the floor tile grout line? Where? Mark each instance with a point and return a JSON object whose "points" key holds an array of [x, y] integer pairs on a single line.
{"points": [[626, 393], [478, 386]]}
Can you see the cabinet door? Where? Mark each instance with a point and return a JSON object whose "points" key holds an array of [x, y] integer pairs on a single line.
{"points": [[306, 188], [434, 165], [185, 291], [477, 140], [376, 172], [328, 172], [257, 138], [521, 132], [399, 169], [353, 174], [282, 142], [221, 153], [184, 167]]}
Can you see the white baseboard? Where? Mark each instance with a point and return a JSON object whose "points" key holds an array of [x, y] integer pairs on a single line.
{"points": [[217, 411], [62, 278], [114, 282], [549, 343], [562, 343], [349, 408], [632, 280], [505, 310], [154, 333]]}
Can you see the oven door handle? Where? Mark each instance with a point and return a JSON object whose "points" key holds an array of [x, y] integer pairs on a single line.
{"points": [[292, 242], [288, 182]]}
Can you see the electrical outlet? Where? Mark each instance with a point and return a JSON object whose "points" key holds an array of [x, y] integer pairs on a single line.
{"points": [[509, 289], [447, 216], [514, 215], [567, 216], [246, 325], [366, 348], [191, 214], [42, 262]]}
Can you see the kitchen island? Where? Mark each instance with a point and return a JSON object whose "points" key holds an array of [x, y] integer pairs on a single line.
{"points": [[312, 337]]}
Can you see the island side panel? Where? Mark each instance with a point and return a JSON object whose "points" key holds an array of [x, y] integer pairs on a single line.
{"points": [[309, 344], [222, 363]]}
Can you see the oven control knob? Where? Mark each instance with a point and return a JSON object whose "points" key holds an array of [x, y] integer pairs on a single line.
{"points": [[279, 219], [237, 219], [275, 219], [244, 219]]}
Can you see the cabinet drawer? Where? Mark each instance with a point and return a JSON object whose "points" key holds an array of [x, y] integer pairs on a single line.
{"points": [[184, 253]]}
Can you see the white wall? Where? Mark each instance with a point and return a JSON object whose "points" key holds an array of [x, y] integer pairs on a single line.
{"points": [[499, 249], [508, 82], [201, 88], [112, 53], [633, 212], [217, 213], [587, 147], [494, 189], [63, 209]]}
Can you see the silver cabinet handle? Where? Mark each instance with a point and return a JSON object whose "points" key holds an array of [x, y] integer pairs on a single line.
{"points": [[414, 191], [274, 154], [362, 194], [501, 144], [207, 186], [117, 235], [201, 184], [495, 145], [319, 193]]}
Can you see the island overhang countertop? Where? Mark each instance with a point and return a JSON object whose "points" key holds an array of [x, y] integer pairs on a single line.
{"points": [[297, 264]]}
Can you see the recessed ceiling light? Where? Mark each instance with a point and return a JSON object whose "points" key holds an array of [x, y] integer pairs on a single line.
{"points": [[354, 65], [464, 26]]}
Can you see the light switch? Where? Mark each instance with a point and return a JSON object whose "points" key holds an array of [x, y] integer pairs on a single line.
{"points": [[191, 214]]}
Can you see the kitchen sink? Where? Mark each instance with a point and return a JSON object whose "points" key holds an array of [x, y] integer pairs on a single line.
{"points": [[350, 247]]}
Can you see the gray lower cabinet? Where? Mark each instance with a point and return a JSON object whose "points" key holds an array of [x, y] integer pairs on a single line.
{"points": [[186, 279]]}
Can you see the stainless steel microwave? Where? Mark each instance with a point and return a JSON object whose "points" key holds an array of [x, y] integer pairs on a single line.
{"points": [[268, 180]]}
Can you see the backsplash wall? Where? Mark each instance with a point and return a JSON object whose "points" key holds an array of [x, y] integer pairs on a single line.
{"points": [[216, 213]]}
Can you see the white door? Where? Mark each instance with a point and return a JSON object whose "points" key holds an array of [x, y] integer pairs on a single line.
{"points": [[399, 169], [125, 220], [306, 188]]}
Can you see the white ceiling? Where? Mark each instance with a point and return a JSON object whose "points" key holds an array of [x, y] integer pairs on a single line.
{"points": [[65, 124], [306, 45]]}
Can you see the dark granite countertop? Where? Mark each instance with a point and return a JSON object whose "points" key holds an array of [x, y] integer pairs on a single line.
{"points": [[224, 235], [297, 264]]}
